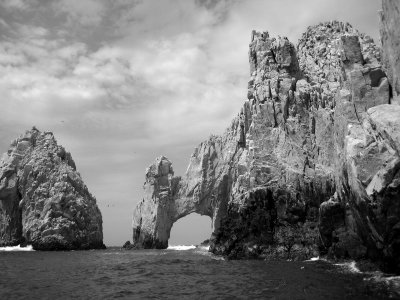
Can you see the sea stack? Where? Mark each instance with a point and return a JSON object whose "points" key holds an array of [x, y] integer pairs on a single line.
{"points": [[43, 200], [311, 164]]}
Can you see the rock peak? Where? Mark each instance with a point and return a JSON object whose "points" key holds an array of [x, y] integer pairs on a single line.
{"points": [[43, 200]]}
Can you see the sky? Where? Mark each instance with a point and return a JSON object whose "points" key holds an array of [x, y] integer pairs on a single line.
{"points": [[121, 82]]}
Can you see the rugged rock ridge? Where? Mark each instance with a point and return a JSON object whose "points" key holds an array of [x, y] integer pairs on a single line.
{"points": [[43, 200], [167, 198], [308, 167]]}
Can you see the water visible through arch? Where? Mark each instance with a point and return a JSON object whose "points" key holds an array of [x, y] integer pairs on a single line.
{"points": [[190, 230]]}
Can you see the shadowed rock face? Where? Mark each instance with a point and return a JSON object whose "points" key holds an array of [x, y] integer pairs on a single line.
{"points": [[43, 200], [310, 166]]}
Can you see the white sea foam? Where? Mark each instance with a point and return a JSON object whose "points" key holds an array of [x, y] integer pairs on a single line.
{"points": [[181, 247], [392, 282], [313, 259], [349, 266], [216, 257], [205, 248], [17, 248]]}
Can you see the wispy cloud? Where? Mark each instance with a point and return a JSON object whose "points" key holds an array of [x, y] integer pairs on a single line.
{"points": [[82, 12], [16, 4]]}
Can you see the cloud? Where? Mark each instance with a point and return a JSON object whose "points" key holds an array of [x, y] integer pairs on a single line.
{"points": [[83, 12], [31, 32], [15, 4]]}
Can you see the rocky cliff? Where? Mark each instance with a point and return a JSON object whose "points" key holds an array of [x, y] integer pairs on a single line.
{"points": [[43, 200], [390, 38], [310, 166]]}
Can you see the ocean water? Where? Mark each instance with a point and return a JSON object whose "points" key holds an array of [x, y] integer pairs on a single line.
{"points": [[181, 272]]}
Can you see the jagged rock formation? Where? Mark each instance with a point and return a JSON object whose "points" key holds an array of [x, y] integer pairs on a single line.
{"points": [[168, 198], [310, 165], [43, 200]]}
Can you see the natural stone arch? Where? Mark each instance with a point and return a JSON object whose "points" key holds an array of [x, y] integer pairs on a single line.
{"points": [[193, 229], [162, 205], [167, 198]]}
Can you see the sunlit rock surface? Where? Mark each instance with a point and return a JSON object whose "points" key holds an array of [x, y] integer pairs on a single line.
{"points": [[43, 200], [310, 166], [167, 198], [390, 37]]}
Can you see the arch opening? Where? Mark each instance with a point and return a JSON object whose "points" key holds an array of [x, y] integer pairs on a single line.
{"points": [[192, 229]]}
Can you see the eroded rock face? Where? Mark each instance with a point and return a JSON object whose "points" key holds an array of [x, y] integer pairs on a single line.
{"points": [[43, 200], [308, 167], [390, 37], [152, 231], [167, 198]]}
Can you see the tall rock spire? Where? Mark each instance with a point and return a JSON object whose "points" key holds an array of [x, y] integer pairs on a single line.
{"points": [[43, 200]]}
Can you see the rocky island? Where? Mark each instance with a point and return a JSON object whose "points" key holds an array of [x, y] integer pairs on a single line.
{"points": [[311, 164], [43, 200]]}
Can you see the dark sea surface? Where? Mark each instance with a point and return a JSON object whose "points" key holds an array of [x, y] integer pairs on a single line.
{"points": [[172, 274]]}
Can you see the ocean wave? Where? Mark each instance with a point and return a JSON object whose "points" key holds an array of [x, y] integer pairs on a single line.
{"points": [[349, 266], [205, 248], [216, 257], [392, 283], [17, 248], [202, 250], [181, 247], [313, 259]]}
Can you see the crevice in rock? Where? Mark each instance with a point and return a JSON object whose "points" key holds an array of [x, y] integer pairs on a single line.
{"points": [[390, 93], [273, 55]]}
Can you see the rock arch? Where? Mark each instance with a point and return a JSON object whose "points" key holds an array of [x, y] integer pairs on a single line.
{"points": [[168, 198]]}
